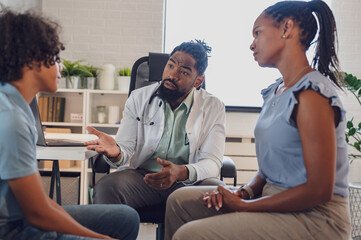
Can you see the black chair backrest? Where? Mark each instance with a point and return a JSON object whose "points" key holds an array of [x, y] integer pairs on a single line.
{"points": [[147, 70]]}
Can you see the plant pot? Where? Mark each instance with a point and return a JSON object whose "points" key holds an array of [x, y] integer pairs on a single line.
{"points": [[123, 83], [62, 83], [73, 82], [90, 82]]}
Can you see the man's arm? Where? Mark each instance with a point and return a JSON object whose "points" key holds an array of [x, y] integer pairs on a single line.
{"points": [[126, 137], [212, 145], [43, 213]]}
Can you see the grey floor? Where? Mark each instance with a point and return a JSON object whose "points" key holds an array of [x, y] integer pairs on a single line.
{"points": [[147, 231]]}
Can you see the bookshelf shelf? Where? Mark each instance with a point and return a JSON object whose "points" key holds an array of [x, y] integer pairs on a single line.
{"points": [[67, 124], [103, 125], [67, 90], [80, 108], [107, 92]]}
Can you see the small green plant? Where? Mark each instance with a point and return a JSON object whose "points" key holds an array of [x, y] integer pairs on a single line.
{"points": [[353, 131], [93, 70], [75, 69], [124, 72]]}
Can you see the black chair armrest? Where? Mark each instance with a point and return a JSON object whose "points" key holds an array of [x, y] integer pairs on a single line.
{"points": [[229, 170], [98, 165]]}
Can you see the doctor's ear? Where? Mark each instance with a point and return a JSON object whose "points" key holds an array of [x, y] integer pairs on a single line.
{"points": [[199, 81]]}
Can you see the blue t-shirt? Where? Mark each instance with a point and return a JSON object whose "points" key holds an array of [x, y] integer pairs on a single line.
{"points": [[278, 142], [17, 148]]}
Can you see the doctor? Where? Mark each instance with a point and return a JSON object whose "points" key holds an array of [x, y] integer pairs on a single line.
{"points": [[171, 135]]}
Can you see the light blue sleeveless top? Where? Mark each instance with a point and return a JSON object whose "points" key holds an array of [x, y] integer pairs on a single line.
{"points": [[278, 142]]}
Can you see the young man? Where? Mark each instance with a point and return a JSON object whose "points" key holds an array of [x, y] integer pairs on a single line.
{"points": [[29, 57], [171, 135]]}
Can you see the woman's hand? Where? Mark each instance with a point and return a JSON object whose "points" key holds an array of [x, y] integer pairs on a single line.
{"points": [[224, 198]]}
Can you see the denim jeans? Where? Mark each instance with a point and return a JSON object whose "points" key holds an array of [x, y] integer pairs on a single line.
{"points": [[117, 221]]}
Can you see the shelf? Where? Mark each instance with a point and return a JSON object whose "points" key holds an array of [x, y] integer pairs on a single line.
{"points": [[63, 124], [98, 91], [103, 125], [84, 102], [69, 90]]}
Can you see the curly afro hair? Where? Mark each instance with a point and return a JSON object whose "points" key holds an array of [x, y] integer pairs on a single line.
{"points": [[26, 40]]}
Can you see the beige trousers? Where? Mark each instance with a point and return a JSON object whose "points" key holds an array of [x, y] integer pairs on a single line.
{"points": [[187, 218]]}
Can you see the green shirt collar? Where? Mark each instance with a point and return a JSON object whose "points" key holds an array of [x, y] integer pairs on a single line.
{"points": [[188, 101]]}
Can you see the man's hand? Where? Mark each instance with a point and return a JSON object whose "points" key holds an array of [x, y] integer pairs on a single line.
{"points": [[105, 144], [230, 200], [169, 174]]}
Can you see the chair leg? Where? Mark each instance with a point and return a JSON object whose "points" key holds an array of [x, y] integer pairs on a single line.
{"points": [[160, 231]]}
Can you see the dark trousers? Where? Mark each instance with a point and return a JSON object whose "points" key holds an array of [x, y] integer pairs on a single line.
{"points": [[128, 187]]}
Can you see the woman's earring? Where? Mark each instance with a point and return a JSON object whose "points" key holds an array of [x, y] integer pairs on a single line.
{"points": [[283, 36]]}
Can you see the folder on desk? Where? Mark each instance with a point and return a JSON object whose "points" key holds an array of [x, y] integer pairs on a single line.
{"points": [[41, 138]]}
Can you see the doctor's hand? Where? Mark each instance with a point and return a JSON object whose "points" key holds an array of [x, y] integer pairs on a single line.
{"points": [[105, 144], [170, 173]]}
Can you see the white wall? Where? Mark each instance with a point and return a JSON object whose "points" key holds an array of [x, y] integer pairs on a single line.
{"points": [[108, 31], [21, 5]]}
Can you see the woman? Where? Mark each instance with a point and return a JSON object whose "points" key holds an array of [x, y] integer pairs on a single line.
{"points": [[300, 190]]}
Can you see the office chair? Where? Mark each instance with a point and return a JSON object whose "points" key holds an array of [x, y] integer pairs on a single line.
{"points": [[145, 71]]}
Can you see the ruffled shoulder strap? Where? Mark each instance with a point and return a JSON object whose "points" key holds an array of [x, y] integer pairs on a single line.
{"points": [[266, 92], [319, 83]]}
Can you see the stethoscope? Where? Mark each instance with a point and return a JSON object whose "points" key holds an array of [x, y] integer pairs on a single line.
{"points": [[150, 121]]}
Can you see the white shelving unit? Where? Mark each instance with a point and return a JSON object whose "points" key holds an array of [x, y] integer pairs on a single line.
{"points": [[84, 102], [105, 98]]}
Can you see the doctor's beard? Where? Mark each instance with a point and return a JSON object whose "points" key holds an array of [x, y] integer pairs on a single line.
{"points": [[169, 95]]}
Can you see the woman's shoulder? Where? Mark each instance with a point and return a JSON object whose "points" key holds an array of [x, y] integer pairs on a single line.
{"points": [[317, 82]]}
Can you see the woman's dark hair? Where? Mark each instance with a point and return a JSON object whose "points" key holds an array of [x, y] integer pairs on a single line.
{"points": [[26, 39], [325, 59], [198, 50]]}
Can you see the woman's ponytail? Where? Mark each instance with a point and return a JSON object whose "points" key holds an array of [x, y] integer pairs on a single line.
{"points": [[325, 59]]}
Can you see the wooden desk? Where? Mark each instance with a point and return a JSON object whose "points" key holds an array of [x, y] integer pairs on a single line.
{"points": [[68, 153]]}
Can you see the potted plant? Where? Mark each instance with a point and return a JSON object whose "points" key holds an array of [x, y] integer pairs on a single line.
{"points": [[353, 139], [73, 71], [91, 82], [123, 79], [353, 130]]}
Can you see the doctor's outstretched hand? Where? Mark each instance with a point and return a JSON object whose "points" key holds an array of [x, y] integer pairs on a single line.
{"points": [[170, 173], [105, 144]]}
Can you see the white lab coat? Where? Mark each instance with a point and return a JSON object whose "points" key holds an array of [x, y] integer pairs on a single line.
{"points": [[142, 127]]}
